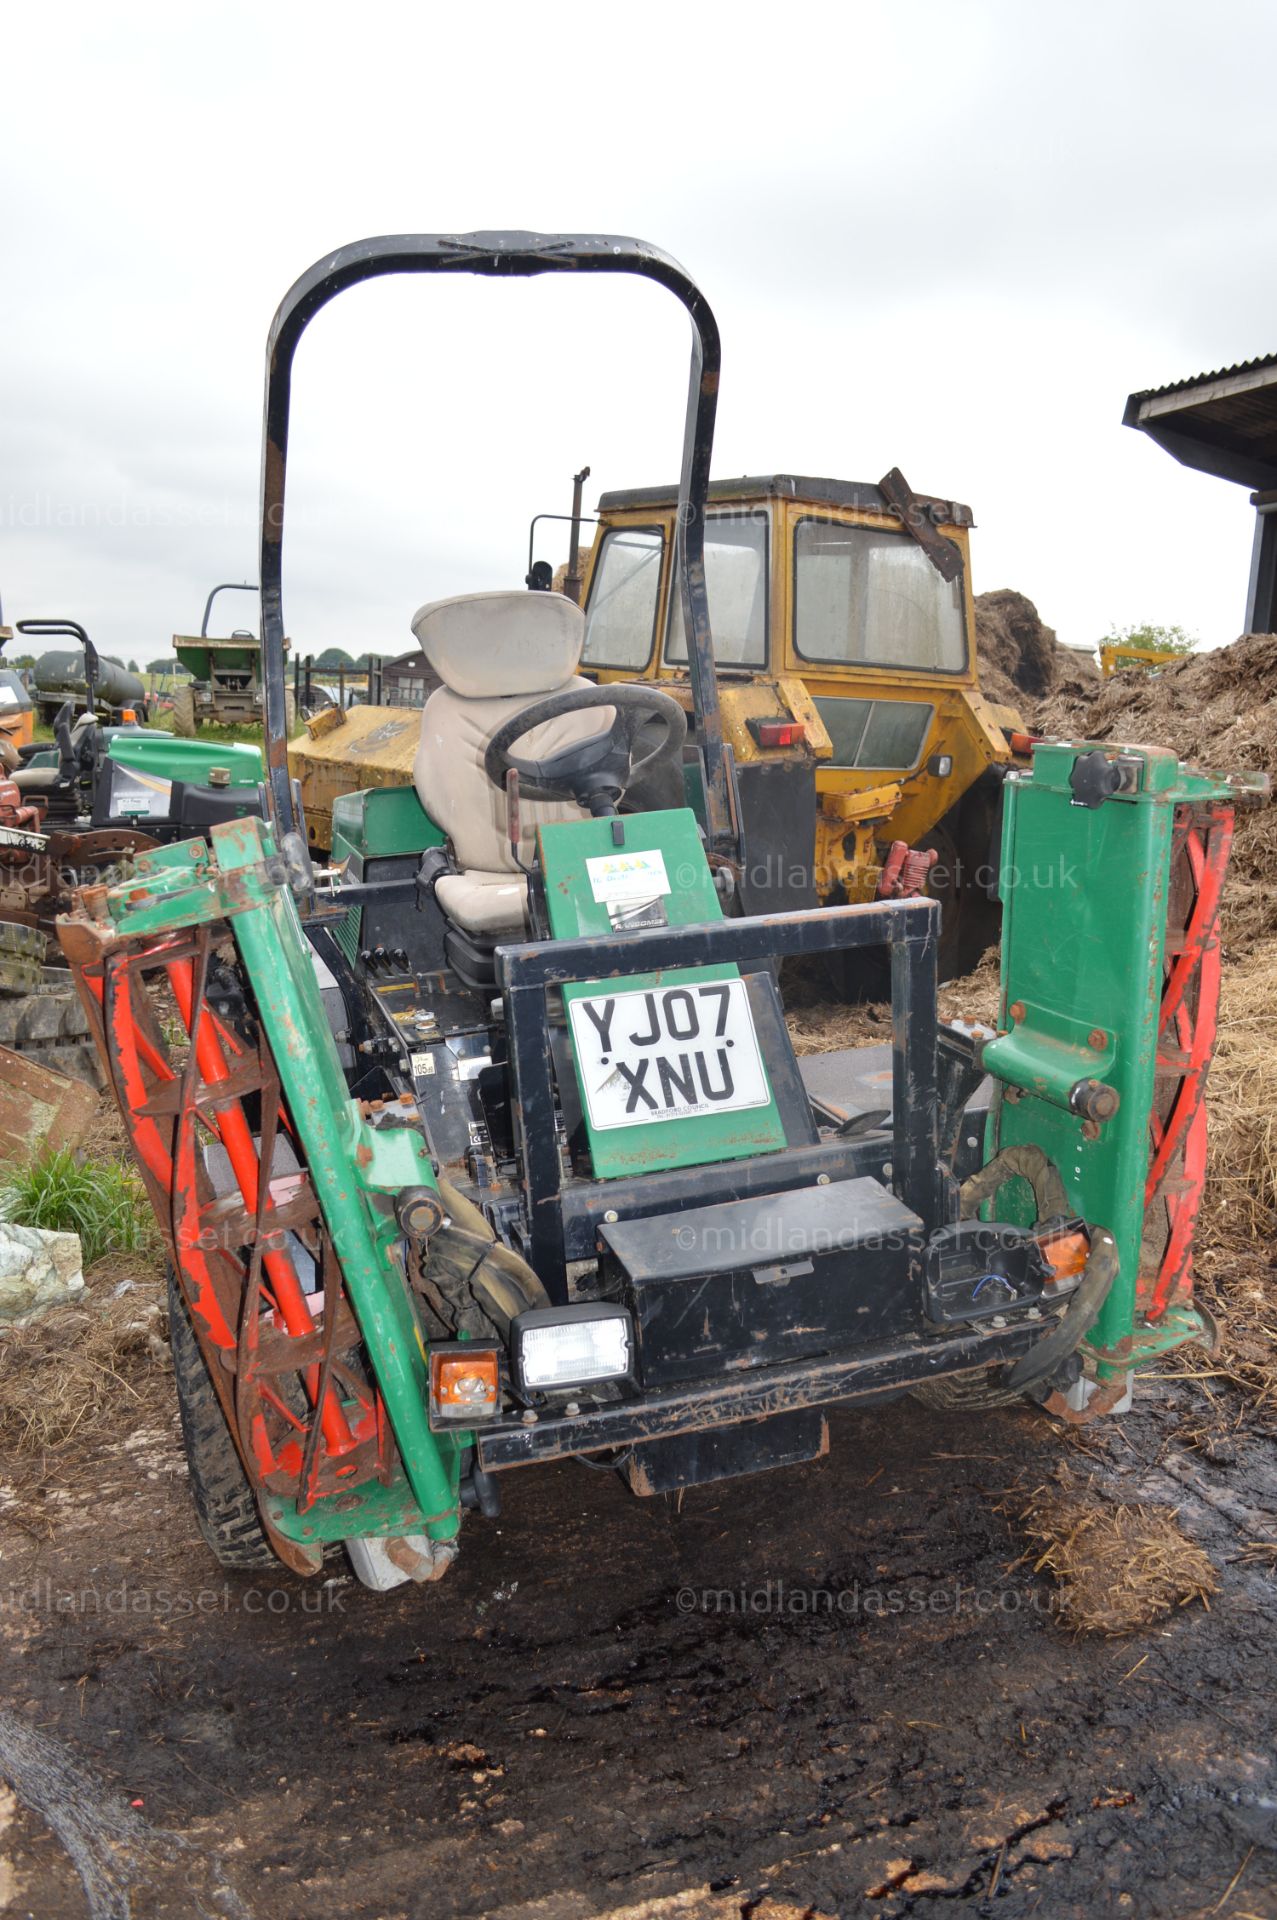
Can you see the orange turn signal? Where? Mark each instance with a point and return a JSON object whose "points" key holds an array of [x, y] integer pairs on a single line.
{"points": [[465, 1383], [1066, 1253], [128, 717]]}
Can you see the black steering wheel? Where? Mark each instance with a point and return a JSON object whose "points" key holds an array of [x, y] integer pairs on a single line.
{"points": [[593, 773]]}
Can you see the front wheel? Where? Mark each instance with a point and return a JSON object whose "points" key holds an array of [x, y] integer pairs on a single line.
{"points": [[224, 1504]]}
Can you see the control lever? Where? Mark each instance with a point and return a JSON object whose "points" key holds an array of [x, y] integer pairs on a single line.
{"points": [[514, 832]]}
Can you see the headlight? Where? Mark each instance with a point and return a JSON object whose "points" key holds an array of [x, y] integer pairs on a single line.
{"points": [[571, 1346]]}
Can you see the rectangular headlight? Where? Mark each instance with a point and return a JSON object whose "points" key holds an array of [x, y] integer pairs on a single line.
{"points": [[571, 1346]]}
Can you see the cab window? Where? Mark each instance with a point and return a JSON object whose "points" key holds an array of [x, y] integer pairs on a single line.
{"points": [[869, 596], [620, 620], [736, 582], [885, 734]]}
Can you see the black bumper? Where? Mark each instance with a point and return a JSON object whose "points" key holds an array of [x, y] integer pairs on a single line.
{"points": [[835, 1379]]}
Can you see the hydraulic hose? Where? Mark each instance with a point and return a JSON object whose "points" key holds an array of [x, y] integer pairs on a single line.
{"points": [[1077, 1320], [467, 1254], [1030, 1163]]}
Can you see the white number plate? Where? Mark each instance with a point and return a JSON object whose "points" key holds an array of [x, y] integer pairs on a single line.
{"points": [[668, 1053]]}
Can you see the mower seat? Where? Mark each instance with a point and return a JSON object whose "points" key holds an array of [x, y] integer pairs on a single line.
{"points": [[39, 780], [496, 654]]}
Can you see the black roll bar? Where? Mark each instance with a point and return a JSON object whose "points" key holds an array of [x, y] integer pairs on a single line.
{"points": [[227, 586], [499, 255]]}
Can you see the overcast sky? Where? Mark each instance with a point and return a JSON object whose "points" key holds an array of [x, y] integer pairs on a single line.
{"points": [[949, 238]]}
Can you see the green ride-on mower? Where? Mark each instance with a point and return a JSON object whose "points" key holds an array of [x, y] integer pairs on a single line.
{"points": [[76, 812], [487, 1145], [104, 790]]}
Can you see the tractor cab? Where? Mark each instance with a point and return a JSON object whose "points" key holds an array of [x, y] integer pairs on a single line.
{"points": [[844, 637]]}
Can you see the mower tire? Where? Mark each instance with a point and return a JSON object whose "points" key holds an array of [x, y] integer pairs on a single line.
{"points": [[224, 1502]]}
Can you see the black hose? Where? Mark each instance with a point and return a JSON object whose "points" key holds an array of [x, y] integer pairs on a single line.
{"points": [[1030, 1163], [1077, 1320]]}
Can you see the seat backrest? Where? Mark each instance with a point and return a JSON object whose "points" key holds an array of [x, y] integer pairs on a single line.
{"points": [[497, 654]]}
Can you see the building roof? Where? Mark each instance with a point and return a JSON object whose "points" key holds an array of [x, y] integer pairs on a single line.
{"points": [[788, 486], [1223, 423]]}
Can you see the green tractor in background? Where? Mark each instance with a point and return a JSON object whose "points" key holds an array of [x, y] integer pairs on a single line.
{"points": [[488, 1146]]}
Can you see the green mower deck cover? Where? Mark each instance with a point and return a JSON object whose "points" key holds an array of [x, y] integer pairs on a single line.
{"points": [[163, 757]]}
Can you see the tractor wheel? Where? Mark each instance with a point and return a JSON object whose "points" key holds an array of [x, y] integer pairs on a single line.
{"points": [[224, 1503], [972, 917], [965, 1393], [183, 699], [40, 1012]]}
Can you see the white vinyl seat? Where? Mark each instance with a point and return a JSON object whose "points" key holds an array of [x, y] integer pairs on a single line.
{"points": [[497, 654]]}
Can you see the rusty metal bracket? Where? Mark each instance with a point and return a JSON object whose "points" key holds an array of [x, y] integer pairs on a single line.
{"points": [[916, 517]]}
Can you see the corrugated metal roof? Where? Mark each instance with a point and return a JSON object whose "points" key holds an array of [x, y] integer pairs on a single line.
{"points": [[1257, 365], [1223, 423]]}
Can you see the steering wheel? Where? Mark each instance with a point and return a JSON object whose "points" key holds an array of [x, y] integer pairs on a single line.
{"points": [[593, 773]]}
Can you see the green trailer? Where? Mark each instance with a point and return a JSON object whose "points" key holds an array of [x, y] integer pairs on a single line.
{"points": [[225, 673]]}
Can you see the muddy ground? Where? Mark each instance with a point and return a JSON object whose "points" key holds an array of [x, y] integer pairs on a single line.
{"points": [[826, 1690]]}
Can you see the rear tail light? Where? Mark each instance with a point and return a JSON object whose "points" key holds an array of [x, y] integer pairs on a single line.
{"points": [[778, 733]]}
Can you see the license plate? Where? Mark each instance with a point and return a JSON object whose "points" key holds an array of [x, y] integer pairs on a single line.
{"points": [[667, 1053]]}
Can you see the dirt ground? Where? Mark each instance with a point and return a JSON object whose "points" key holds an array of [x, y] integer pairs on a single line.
{"points": [[835, 1689]]}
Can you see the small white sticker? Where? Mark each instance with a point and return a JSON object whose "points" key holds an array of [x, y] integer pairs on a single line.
{"points": [[422, 1064], [615, 877], [14, 837]]}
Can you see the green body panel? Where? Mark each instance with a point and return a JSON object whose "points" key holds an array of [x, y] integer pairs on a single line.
{"points": [[378, 823], [167, 758], [699, 1139], [1085, 895], [381, 822], [163, 756], [354, 1165]]}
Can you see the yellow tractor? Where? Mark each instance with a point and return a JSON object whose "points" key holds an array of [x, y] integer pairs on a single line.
{"points": [[848, 696], [844, 636]]}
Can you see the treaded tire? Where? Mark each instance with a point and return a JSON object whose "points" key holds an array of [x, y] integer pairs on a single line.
{"points": [[184, 712], [224, 1503], [49, 1028]]}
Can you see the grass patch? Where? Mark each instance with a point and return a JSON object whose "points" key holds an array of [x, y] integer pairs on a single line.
{"points": [[101, 1200]]}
